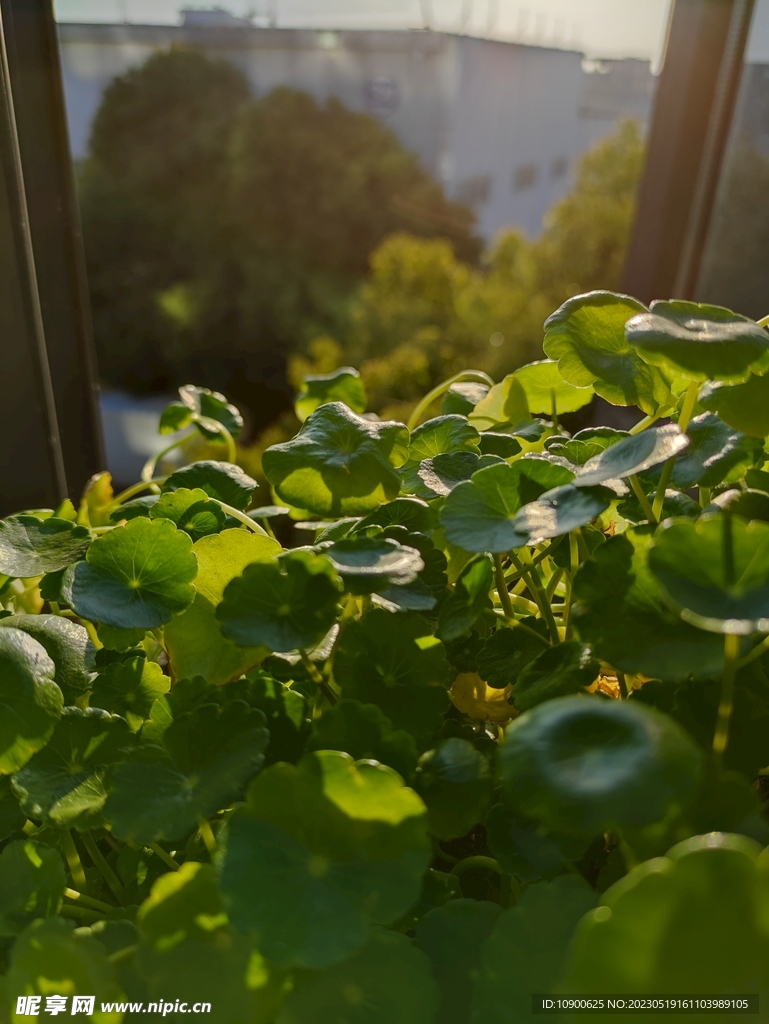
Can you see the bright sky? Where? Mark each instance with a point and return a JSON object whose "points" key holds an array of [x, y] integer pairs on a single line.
{"points": [[602, 28]]}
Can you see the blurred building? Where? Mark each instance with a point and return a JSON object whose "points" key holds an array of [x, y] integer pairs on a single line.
{"points": [[500, 124]]}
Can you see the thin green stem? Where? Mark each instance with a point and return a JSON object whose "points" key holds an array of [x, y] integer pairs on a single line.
{"points": [[121, 955], [314, 674], [554, 409], [726, 705], [645, 423], [219, 428], [622, 684], [100, 863], [208, 837], [517, 624], [757, 651], [687, 408], [502, 591], [553, 582], [129, 492], [468, 375], [81, 914], [164, 856], [704, 496], [88, 901], [90, 629], [511, 575], [150, 465], [73, 858], [246, 520], [662, 486], [639, 493], [539, 596]]}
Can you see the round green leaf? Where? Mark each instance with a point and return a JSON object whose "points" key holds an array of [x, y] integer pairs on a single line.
{"points": [[526, 951], [452, 936], [560, 511], [620, 611], [587, 338], [470, 596], [191, 511], [182, 904], [462, 397], [366, 564], [585, 444], [395, 662], [30, 701], [715, 572], [743, 406], [268, 512], [438, 476], [479, 514], [153, 797], [365, 733], [507, 652], [136, 576], [286, 605], [633, 455], [351, 846], [455, 784], [32, 882], [717, 453], [285, 709], [30, 546], [194, 640], [221, 481], [548, 393], [747, 504], [527, 853], [584, 763], [697, 919], [213, 406], [134, 509], [389, 980], [557, 672], [502, 445], [699, 341], [51, 957], [339, 464], [505, 405], [129, 688], [342, 385], [441, 435], [63, 784], [414, 515], [68, 646]]}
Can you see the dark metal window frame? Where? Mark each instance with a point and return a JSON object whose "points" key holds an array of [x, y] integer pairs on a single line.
{"points": [[49, 421]]}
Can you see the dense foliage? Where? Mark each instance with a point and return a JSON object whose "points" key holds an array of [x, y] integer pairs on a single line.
{"points": [[490, 721], [221, 229]]}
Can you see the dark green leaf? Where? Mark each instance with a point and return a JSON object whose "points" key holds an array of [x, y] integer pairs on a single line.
{"points": [[452, 936], [526, 853], [191, 511], [367, 564], [548, 393], [32, 884], [286, 710], [526, 951], [700, 341], [395, 662], [463, 397], [746, 504], [633, 455], [581, 764], [557, 672], [443, 435], [129, 688], [503, 445], [717, 453], [619, 610], [757, 480], [137, 576], [455, 784], [673, 504], [30, 546], [194, 639], [351, 844], [134, 509], [212, 405], [469, 598], [587, 337], [342, 385], [67, 645], [715, 572], [183, 904], [438, 476], [743, 406], [696, 921], [176, 416], [508, 651], [415, 515], [30, 701], [286, 604], [363, 732], [338, 464], [585, 444], [387, 981], [63, 784], [560, 511], [479, 514], [219, 480]]}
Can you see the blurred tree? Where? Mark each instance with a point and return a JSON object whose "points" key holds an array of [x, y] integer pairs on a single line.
{"points": [[424, 314], [224, 232]]}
